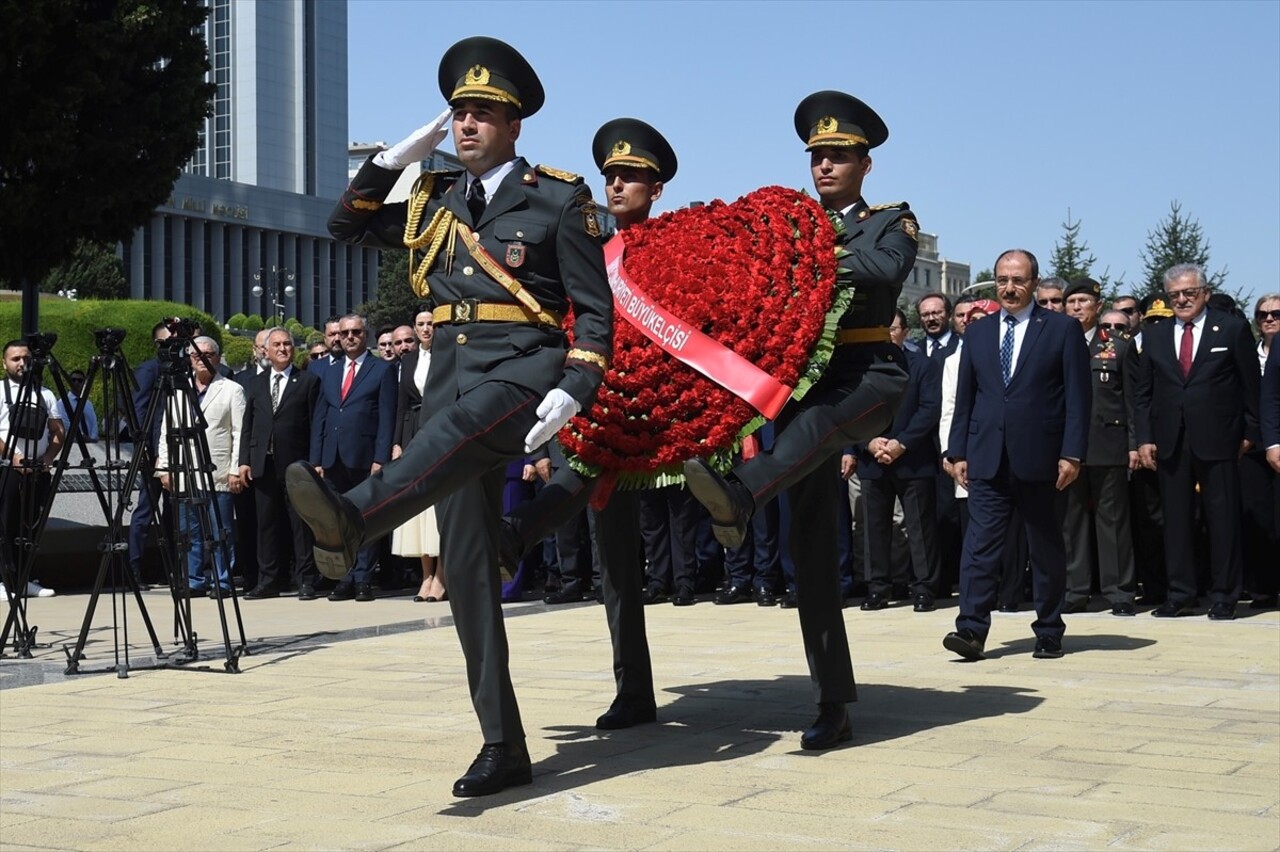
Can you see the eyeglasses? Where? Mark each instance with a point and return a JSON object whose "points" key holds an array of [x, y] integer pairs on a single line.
{"points": [[1016, 282], [351, 332], [1263, 316], [1050, 300], [1114, 326], [1189, 293], [934, 315], [314, 356]]}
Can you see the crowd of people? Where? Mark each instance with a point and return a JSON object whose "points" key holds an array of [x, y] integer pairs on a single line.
{"points": [[1037, 444]]}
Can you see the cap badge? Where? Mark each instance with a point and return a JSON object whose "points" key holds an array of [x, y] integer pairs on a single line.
{"points": [[620, 148], [827, 124], [477, 75]]}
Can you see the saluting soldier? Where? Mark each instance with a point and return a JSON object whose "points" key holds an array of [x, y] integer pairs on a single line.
{"points": [[500, 251], [1104, 473], [636, 162], [855, 400]]}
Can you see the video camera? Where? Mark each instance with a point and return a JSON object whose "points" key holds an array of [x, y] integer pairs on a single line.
{"points": [[40, 344]]}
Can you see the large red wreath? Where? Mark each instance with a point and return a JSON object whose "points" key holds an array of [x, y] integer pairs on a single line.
{"points": [[759, 276]]}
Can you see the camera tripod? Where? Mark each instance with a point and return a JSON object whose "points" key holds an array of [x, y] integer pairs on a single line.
{"points": [[190, 474]]}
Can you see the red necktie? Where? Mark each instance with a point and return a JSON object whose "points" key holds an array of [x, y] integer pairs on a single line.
{"points": [[1184, 351], [348, 379]]}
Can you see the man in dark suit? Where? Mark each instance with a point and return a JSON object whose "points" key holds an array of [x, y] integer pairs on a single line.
{"points": [[902, 464], [1098, 501], [508, 248], [246, 544], [939, 340], [277, 432], [1197, 412], [351, 433], [854, 401], [1019, 433]]}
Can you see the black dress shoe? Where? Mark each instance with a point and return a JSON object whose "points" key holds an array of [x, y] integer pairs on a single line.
{"points": [[497, 767], [684, 597], [1123, 608], [306, 592], [728, 503], [874, 601], [734, 595], [216, 592], [510, 549], [654, 595], [1047, 648], [1008, 607], [562, 596], [965, 643], [364, 592], [626, 713], [343, 592], [764, 597], [261, 591], [923, 602], [1263, 602], [830, 728], [1222, 611], [1076, 607], [1172, 609], [334, 520], [789, 601]]}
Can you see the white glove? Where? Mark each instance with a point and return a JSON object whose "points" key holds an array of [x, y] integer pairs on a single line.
{"points": [[418, 146], [556, 409]]}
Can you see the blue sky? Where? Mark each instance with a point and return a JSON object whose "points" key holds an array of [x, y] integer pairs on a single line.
{"points": [[1002, 115]]}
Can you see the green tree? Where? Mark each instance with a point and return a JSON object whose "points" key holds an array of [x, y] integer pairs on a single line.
{"points": [[1071, 258], [1175, 239], [396, 303], [93, 271], [104, 102]]}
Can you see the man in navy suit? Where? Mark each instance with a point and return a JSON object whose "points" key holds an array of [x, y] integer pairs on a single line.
{"points": [[146, 375], [1197, 413], [939, 340], [1019, 433], [351, 432], [902, 464]]}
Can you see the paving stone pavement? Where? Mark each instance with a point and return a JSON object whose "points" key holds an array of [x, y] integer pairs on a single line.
{"points": [[348, 723]]}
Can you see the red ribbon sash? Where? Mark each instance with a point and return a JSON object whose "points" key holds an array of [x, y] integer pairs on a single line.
{"points": [[709, 357]]}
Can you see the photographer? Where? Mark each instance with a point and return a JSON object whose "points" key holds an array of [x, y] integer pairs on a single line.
{"points": [[31, 436]]}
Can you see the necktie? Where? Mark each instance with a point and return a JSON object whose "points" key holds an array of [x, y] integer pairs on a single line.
{"points": [[475, 200], [1184, 351], [348, 379], [1006, 349], [933, 346], [275, 390]]}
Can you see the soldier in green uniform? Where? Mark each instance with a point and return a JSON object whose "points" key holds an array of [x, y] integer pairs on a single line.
{"points": [[855, 400], [500, 251], [1104, 472], [636, 162]]}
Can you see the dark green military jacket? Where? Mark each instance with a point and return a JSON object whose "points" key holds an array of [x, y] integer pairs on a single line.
{"points": [[881, 242], [1111, 432], [540, 227]]}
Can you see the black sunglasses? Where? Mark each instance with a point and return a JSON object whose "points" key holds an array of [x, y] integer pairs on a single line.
{"points": [[1114, 326], [317, 355], [1267, 315]]}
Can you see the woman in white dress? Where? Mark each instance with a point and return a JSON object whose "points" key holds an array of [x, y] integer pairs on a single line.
{"points": [[418, 536]]}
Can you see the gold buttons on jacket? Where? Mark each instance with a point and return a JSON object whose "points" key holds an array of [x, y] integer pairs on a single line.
{"points": [[462, 340]]}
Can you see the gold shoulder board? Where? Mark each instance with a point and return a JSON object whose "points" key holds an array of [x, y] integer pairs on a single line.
{"points": [[558, 174], [895, 205]]}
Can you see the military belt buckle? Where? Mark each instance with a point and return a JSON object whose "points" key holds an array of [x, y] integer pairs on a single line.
{"points": [[466, 310]]}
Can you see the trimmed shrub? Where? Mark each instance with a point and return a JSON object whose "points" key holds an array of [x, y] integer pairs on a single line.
{"points": [[254, 323], [236, 321]]}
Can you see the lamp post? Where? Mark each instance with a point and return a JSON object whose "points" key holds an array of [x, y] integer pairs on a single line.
{"points": [[274, 276]]}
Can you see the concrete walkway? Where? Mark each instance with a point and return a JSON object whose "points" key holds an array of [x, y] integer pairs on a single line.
{"points": [[349, 722]]}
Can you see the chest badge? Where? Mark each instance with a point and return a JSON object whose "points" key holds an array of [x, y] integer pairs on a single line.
{"points": [[515, 255]]}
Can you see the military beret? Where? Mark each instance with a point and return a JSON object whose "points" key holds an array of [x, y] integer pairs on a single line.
{"points": [[836, 120], [631, 142], [490, 70], [1087, 286]]}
